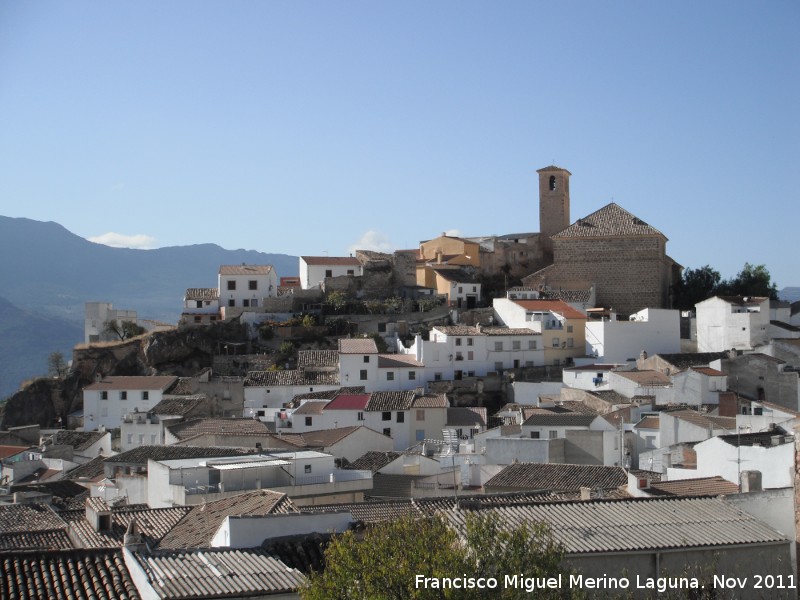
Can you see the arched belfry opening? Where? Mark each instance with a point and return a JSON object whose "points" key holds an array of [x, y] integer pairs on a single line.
{"points": [[552, 183]]}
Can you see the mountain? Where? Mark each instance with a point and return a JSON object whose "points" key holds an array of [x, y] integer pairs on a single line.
{"points": [[789, 294], [48, 273], [26, 340], [54, 271]]}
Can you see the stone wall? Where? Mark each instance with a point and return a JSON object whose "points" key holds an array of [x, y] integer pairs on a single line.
{"points": [[629, 273]]}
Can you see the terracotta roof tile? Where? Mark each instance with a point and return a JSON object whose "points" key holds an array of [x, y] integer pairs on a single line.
{"points": [[646, 378], [703, 486], [610, 221], [197, 528], [557, 477], [327, 437], [218, 426], [79, 440], [153, 524], [431, 401], [358, 346], [466, 416], [373, 461], [349, 402], [56, 539], [245, 269], [388, 401], [292, 377], [141, 454], [341, 261], [317, 358], [201, 294], [15, 518], [311, 407], [156, 382]]}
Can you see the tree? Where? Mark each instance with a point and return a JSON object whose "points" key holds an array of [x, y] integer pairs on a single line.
{"points": [[386, 563], [695, 286], [337, 299], [56, 365], [752, 280], [380, 343], [123, 330], [309, 321]]}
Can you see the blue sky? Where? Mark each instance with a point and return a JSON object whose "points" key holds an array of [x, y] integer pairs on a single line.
{"points": [[318, 127]]}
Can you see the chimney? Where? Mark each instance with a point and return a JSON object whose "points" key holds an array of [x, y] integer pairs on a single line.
{"points": [[586, 493], [133, 539], [750, 481]]}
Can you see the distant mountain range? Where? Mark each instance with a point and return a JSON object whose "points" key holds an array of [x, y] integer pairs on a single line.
{"points": [[48, 273], [789, 294]]}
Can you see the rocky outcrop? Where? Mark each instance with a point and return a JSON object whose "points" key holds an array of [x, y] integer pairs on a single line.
{"points": [[175, 352]]}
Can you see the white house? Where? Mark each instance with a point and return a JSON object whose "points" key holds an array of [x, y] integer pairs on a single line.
{"points": [[697, 386], [732, 322], [306, 476], [406, 417], [589, 377], [106, 402], [97, 314], [642, 383], [676, 427], [771, 453], [267, 392], [652, 330], [200, 306], [315, 269], [245, 286]]}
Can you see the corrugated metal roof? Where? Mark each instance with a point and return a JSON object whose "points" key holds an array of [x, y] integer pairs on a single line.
{"points": [[639, 525]]}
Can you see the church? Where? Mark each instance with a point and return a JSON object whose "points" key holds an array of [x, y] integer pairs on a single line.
{"points": [[615, 252]]}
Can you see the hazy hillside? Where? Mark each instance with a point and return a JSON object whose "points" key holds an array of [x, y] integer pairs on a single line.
{"points": [[48, 273], [789, 294], [46, 268], [26, 340]]}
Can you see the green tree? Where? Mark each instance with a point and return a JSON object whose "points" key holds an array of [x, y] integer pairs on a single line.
{"points": [[56, 365], [380, 343], [337, 299], [695, 286], [386, 562], [752, 280], [123, 330], [309, 321]]}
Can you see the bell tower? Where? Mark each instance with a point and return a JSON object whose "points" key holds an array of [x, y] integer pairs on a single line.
{"points": [[553, 203]]}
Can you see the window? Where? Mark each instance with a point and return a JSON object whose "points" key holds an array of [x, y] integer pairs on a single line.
{"points": [[103, 395], [420, 415], [387, 431], [199, 304], [498, 346], [123, 395], [458, 341], [552, 184], [198, 318], [553, 434], [532, 345], [245, 302], [231, 284], [412, 375], [470, 341], [231, 302], [351, 272], [253, 302], [213, 318], [307, 468], [474, 288], [386, 416], [130, 439], [534, 435], [363, 375], [360, 416], [366, 359], [460, 290], [556, 342], [515, 345], [570, 343], [459, 356], [252, 284], [437, 376], [309, 421], [569, 328], [470, 355], [420, 435], [390, 376], [145, 395], [401, 417], [328, 273]]}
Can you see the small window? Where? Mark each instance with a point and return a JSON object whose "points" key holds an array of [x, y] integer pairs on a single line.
{"points": [[569, 328], [459, 356], [253, 302], [556, 342], [387, 431], [401, 417], [532, 345], [515, 345], [528, 363], [123, 395], [420, 435], [309, 421], [570, 343], [360, 416], [252, 284], [412, 375], [498, 346], [498, 366], [246, 303], [534, 435], [470, 355], [437, 376], [328, 273], [460, 290], [231, 302], [458, 341], [552, 184], [199, 304], [198, 318], [307, 468], [474, 288], [231, 284], [363, 375], [390, 376], [553, 434], [470, 341], [386, 416], [213, 318], [420, 415], [104, 395], [145, 395], [366, 359], [351, 272]]}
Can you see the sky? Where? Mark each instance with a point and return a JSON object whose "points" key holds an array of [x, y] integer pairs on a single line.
{"points": [[315, 128]]}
